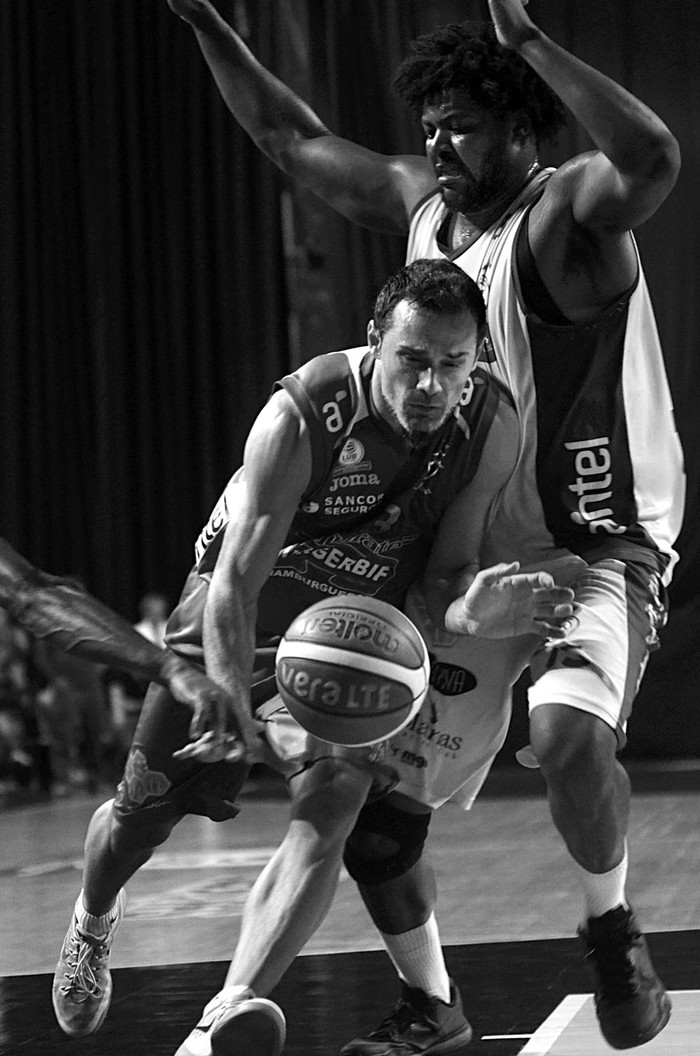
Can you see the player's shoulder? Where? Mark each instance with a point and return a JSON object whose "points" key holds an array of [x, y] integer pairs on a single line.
{"points": [[327, 370], [329, 386], [485, 390], [490, 413]]}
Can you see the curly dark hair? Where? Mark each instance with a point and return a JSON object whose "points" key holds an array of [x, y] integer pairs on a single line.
{"points": [[467, 56], [437, 286]]}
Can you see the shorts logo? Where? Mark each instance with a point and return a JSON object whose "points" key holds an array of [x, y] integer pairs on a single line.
{"points": [[428, 732], [450, 680], [592, 486], [140, 782], [412, 759]]}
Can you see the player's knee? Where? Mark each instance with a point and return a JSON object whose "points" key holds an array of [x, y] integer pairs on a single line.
{"points": [[385, 843], [136, 835], [573, 748], [330, 795]]}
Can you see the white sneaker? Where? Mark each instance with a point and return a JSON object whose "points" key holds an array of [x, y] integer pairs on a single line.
{"points": [[82, 986], [237, 1025]]}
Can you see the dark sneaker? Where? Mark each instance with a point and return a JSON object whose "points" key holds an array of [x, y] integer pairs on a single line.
{"points": [[419, 1024], [82, 985], [243, 1025], [631, 1001]]}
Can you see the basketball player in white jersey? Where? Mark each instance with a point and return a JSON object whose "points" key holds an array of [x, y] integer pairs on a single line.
{"points": [[572, 334]]}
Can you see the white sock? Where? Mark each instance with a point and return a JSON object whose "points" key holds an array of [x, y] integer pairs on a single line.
{"points": [[90, 923], [604, 891], [417, 957]]}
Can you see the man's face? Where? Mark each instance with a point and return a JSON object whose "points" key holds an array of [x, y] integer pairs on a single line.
{"points": [[423, 362], [475, 156]]}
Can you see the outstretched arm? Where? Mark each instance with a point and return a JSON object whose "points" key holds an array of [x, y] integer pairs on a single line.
{"points": [[275, 473], [60, 612], [496, 602], [372, 189], [637, 162]]}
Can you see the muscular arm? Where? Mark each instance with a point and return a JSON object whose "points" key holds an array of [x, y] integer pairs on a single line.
{"points": [[623, 182], [496, 602], [454, 558], [276, 471], [60, 612], [372, 189]]}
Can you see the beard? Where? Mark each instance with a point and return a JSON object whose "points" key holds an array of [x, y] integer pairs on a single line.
{"points": [[419, 436], [420, 439], [473, 196]]}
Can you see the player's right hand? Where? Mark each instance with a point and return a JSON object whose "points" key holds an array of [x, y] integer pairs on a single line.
{"points": [[215, 731]]}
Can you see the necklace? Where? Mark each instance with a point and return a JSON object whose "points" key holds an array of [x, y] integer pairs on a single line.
{"points": [[463, 230]]}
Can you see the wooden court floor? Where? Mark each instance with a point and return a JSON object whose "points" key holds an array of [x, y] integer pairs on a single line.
{"points": [[508, 911]]}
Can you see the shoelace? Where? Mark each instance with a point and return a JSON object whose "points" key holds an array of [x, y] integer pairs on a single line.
{"points": [[615, 967], [82, 979], [399, 1020]]}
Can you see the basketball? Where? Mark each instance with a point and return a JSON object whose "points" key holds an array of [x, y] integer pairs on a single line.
{"points": [[352, 670]]}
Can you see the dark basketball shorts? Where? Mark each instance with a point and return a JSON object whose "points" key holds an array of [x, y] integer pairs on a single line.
{"points": [[156, 788]]}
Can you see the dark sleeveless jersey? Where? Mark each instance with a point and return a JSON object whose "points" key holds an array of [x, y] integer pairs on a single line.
{"points": [[367, 520]]}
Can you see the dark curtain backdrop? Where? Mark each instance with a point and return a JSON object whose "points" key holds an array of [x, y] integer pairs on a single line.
{"points": [[142, 301], [150, 291]]}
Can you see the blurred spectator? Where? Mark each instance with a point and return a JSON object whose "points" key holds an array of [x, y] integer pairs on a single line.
{"points": [[154, 616], [126, 693], [77, 716], [25, 762]]}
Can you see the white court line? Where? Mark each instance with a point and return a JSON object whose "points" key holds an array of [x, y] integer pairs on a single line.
{"points": [[554, 1025], [505, 1037], [543, 1039]]}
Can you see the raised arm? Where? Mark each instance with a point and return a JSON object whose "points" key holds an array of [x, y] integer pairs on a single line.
{"points": [[626, 179], [371, 189]]}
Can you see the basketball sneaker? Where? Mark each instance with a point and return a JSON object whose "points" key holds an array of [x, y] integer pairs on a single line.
{"points": [[82, 984], [630, 1000], [418, 1024], [237, 1024]]}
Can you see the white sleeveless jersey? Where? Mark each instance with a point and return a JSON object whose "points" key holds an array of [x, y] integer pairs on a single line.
{"points": [[600, 469]]}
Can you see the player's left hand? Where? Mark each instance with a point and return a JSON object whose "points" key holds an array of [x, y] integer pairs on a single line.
{"points": [[500, 603], [513, 27]]}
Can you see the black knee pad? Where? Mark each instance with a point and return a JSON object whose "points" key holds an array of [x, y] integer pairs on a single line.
{"points": [[405, 835]]}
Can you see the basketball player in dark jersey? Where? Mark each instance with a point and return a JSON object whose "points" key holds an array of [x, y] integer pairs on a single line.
{"points": [[572, 335], [363, 467], [60, 612]]}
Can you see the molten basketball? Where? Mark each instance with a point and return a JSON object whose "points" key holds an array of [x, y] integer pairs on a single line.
{"points": [[352, 670]]}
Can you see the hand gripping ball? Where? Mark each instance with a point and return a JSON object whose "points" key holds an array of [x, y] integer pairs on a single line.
{"points": [[352, 670]]}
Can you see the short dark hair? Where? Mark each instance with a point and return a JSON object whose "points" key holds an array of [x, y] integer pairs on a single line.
{"points": [[434, 285], [467, 56]]}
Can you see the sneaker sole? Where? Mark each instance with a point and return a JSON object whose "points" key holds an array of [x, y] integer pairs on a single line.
{"points": [[256, 1028], [442, 1048], [642, 1039]]}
